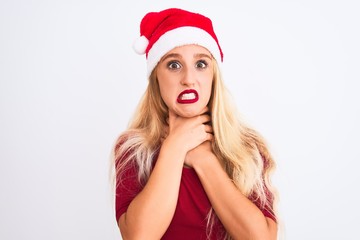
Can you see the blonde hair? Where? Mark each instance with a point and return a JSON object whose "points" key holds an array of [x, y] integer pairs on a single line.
{"points": [[242, 150]]}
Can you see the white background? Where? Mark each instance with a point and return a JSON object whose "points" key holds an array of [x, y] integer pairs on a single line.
{"points": [[69, 83]]}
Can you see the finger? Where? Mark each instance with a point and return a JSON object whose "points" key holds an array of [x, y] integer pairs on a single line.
{"points": [[205, 118], [209, 137], [205, 110], [208, 128]]}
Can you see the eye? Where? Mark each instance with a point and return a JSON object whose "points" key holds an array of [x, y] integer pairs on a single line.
{"points": [[201, 64], [173, 65]]}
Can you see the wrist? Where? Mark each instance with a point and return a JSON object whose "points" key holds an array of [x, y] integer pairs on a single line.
{"points": [[209, 162], [173, 149]]}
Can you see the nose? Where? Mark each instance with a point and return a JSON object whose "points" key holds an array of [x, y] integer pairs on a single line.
{"points": [[188, 78]]}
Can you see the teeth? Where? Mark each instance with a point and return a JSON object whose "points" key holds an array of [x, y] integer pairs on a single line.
{"points": [[188, 96]]}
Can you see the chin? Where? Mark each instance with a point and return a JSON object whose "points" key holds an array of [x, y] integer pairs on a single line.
{"points": [[189, 114]]}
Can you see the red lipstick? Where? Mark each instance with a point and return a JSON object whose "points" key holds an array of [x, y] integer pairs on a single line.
{"points": [[188, 96]]}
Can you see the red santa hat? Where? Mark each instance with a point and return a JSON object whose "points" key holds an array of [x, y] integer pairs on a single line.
{"points": [[162, 31]]}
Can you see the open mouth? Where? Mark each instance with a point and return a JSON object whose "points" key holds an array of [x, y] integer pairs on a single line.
{"points": [[188, 96]]}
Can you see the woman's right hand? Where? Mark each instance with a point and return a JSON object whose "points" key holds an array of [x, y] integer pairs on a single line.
{"points": [[188, 133]]}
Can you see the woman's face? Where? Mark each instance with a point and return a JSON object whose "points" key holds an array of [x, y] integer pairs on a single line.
{"points": [[185, 77]]}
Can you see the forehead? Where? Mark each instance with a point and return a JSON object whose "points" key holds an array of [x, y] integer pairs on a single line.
{"points": [[191, 49]]}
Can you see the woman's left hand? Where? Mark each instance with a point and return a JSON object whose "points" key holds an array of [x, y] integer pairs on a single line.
{"points": [[203, 152]]}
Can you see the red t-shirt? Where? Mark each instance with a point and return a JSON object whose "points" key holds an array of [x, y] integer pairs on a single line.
{"points": [[192, 208]]}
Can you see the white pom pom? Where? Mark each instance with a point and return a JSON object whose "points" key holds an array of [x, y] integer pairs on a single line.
{"points": [[140, 45]]}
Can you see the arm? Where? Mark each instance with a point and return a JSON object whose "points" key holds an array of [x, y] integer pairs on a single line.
{"points": [[241, 217], [150, 212]]}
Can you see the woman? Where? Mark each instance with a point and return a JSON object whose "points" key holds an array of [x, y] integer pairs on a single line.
{"points": [[187, 167]]}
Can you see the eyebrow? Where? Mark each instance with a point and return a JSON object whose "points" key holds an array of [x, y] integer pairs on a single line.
{"points": [[202, 55], [171, 55], [176, 55]]}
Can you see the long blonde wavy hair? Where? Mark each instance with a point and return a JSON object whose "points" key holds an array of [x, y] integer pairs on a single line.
{"points": [[243, 151]]}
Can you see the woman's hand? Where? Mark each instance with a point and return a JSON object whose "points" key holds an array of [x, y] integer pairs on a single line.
{"points": [[203, 152], [188, 133]]}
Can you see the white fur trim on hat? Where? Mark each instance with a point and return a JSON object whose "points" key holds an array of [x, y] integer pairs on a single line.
{"points": [[180, 37]]}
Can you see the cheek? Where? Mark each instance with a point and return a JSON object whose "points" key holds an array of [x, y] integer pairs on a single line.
{"points": [[167, 92], [207, 90]]}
